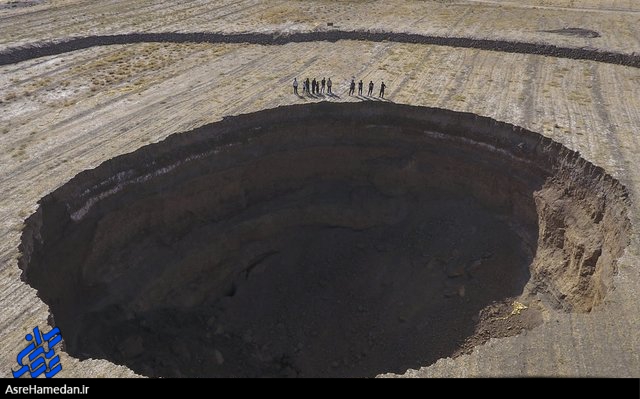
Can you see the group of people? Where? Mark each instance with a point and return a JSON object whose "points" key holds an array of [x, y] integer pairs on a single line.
{"points": [[352, 88], [313, 87], [318, 86]]}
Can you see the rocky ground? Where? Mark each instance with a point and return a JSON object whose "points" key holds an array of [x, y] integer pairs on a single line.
{"points": [[66, 113]]}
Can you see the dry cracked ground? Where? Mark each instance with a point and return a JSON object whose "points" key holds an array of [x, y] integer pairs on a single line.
{"points": [[304, 241]]}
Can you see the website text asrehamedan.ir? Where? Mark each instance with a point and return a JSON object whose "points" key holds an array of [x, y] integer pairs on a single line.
{"points": [[36, 389]]}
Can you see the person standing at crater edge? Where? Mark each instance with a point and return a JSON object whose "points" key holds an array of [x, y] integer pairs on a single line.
{"points": [[322, 82], [360, 87], [382, 87], [295, 86], [370, 93], [329, 86], [352, 87]]}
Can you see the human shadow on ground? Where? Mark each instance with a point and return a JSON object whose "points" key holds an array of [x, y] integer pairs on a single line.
{"points": [[373, 98]]}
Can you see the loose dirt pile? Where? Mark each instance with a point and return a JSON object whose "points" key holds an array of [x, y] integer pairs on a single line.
{"points": [[43, 49]]}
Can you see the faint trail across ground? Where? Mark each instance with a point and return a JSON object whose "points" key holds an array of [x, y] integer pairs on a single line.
{"points": [[559, 8]]}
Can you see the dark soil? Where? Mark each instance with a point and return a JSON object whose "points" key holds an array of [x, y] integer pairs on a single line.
{"points": [[20, 4], [64, 45], [579, 32], [343, 303], [299, 241], [502, 319]]}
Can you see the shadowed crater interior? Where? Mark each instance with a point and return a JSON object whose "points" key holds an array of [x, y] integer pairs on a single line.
{"points": [[321, 240]]}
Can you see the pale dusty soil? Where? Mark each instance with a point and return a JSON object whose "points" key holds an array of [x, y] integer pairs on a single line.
{"points": [[504, 20], [60, 115]]}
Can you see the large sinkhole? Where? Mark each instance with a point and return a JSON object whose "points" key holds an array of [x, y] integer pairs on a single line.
{"points": [[322, 240]]}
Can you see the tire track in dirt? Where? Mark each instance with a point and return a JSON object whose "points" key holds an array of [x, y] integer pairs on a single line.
{"points": [[550, 7], [610, 129], [530, 91], [73, 146], [43, 49], [95, 11], [456, 82]]}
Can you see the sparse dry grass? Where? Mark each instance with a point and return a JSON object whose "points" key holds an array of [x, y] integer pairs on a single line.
{"points": [[459, 98], [40, 83], [282, 13], [129, 68], [579, 97]]}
